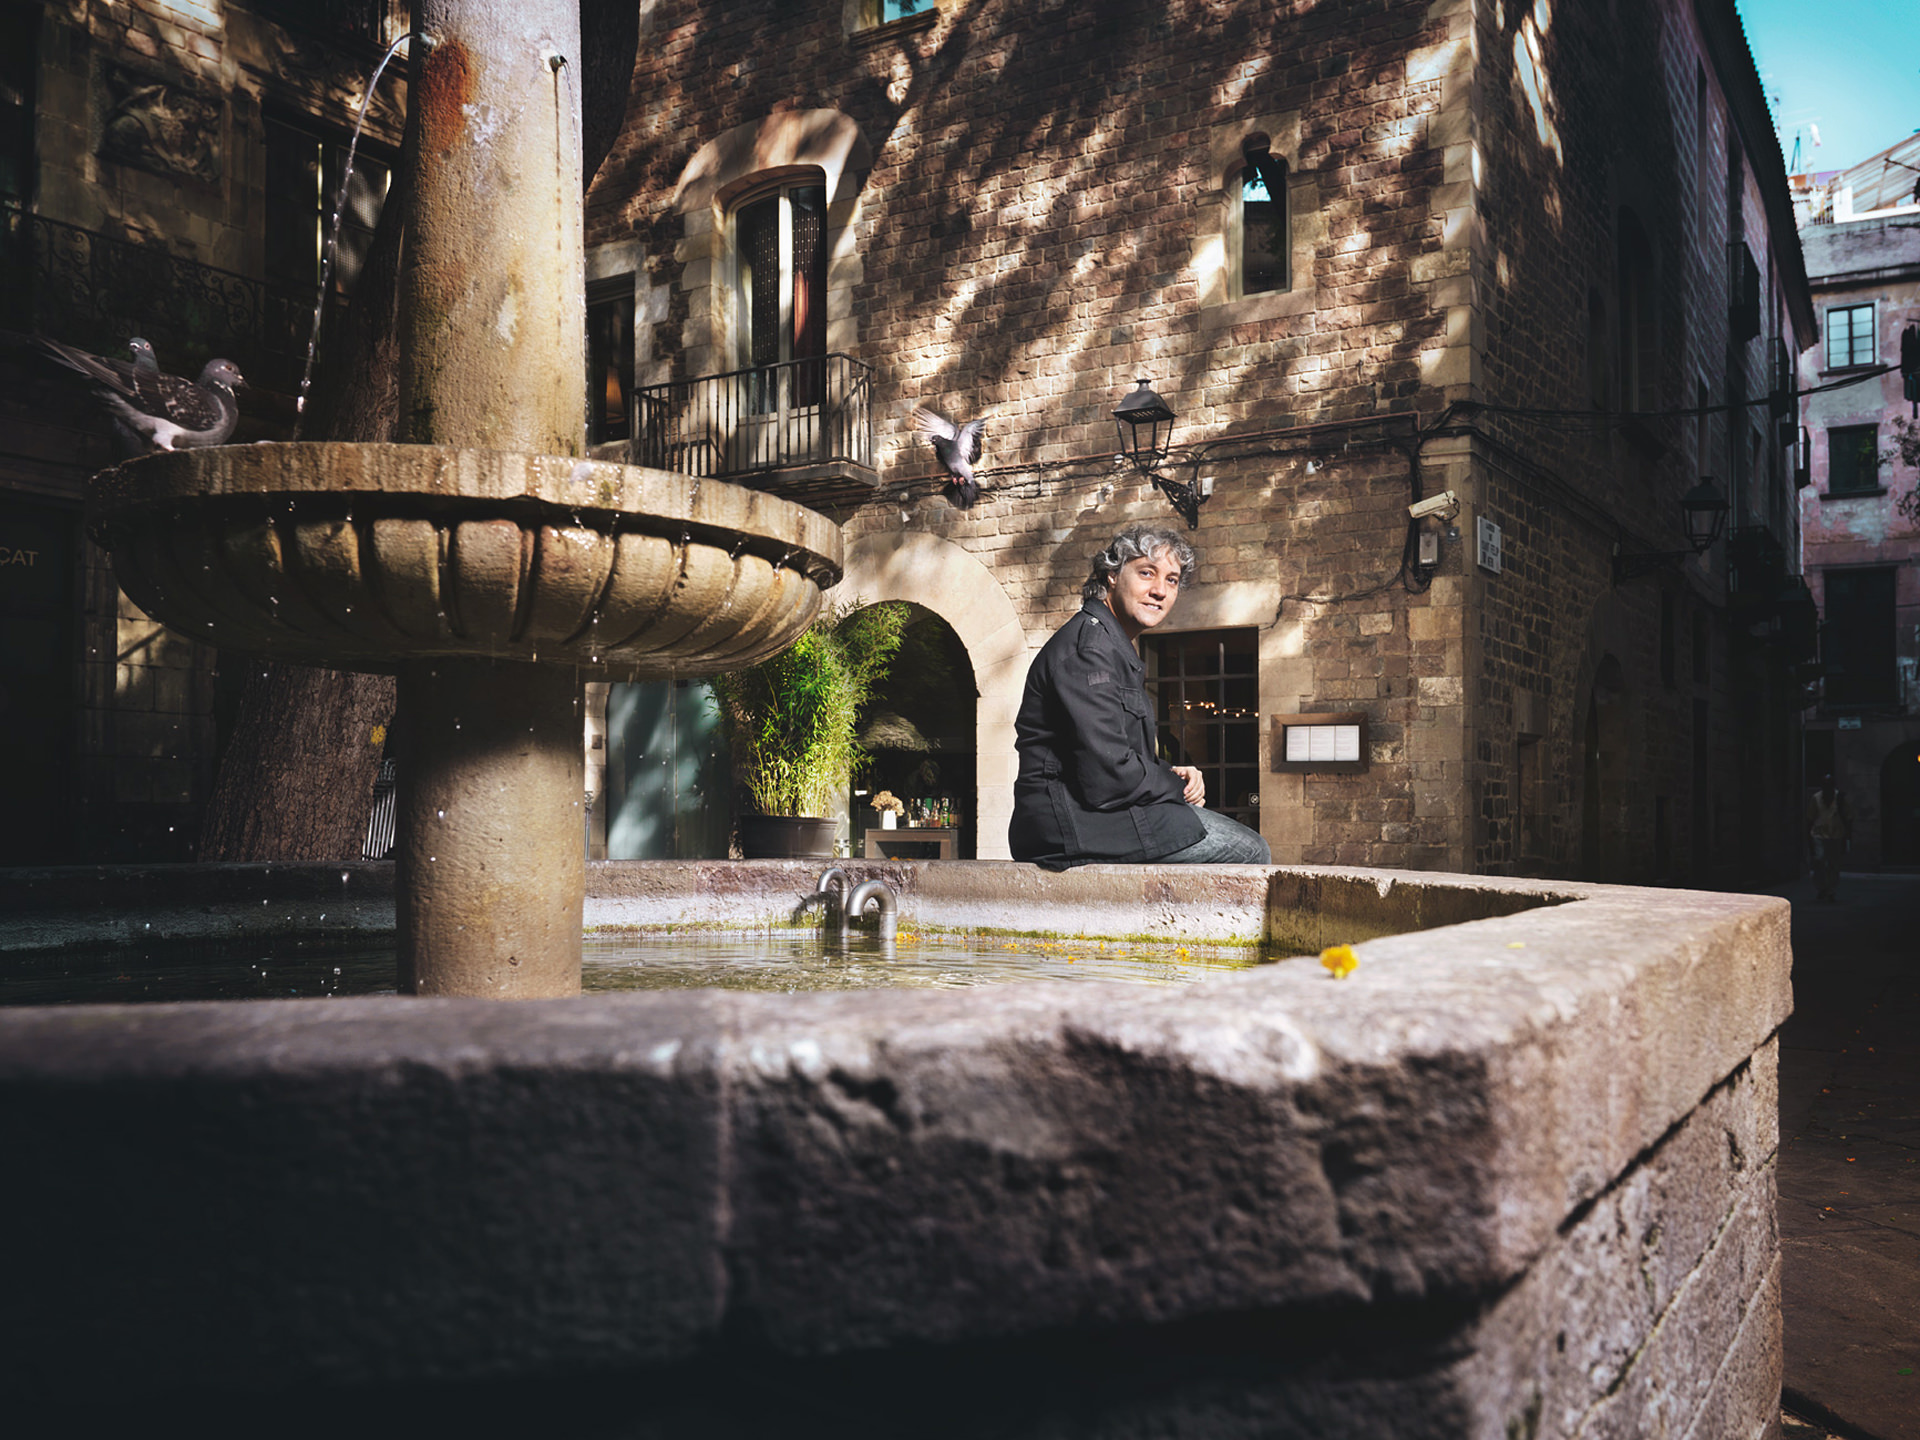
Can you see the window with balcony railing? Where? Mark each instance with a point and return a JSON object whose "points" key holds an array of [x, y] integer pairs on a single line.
{"points": [[363, 24], [744, 424], [95, 290], [305, 166]]}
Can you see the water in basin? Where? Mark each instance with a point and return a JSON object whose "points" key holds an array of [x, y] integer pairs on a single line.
{"points": [[773, 960]]}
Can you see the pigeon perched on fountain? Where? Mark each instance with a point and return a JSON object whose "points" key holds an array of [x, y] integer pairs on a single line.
{"points": [[152, 410], [958, 449]]}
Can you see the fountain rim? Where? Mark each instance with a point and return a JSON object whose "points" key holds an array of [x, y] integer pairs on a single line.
{"points": [[601, 494]]}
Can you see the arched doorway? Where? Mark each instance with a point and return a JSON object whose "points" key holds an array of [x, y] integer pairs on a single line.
{"points": [[1603, 799], [918, 731], [1900, 805], [942, 577]]}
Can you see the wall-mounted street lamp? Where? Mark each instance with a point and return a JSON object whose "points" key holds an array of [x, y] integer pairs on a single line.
{"points": [[1144, 423], [1703, 513]]}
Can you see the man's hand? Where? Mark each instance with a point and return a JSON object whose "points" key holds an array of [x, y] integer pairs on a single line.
{"points": [[1196, 792]]}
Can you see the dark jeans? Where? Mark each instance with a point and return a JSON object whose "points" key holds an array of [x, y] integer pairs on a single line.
{"points": [[1227, 842]]}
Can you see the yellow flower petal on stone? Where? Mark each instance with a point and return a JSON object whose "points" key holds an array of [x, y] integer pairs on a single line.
{"points": [[1340, 960], [1516, 944]]}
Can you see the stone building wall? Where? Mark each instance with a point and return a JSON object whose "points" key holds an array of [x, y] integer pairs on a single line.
{"points": [[150, 141], [1045, 217], [1871, 746], [1559, 640]]}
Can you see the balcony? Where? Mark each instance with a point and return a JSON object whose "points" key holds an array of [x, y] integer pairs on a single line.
{"points": [[368, 26], [97, 292], [803, 428]]}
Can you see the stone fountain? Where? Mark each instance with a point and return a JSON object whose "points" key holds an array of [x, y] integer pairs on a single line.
{"points": [[1512, 1177], [486, 562]]}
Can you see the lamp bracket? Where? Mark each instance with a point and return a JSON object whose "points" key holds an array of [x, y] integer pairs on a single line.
{"points": [[1184, 498]]}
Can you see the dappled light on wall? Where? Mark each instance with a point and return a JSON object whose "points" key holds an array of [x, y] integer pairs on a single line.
{"points": [[1530, 62]]}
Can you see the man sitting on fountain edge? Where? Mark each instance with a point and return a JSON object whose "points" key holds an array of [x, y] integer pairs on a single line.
{"points": [[1091, 788]]}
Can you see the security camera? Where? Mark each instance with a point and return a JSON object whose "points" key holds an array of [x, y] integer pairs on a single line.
{"points": [[1446, 505]]}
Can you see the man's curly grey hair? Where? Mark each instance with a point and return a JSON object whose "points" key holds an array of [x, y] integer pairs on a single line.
{"points": [[1130, 544]]}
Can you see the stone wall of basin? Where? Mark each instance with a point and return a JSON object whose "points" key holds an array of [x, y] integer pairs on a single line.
{"points": [[1514, 1176]]}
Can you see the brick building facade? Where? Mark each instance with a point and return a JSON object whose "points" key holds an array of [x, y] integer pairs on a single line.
{"points": [[165, 167], [1502, 231], [1369, 252], [1861, 550]]}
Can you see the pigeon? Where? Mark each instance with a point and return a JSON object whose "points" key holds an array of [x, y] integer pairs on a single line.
{"points": [[958, 449], [155, 411]]}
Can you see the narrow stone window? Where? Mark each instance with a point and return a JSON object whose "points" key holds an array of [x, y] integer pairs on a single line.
{"points": [[1265, 241], [1636, 351], [885, 12], [610, 359]]}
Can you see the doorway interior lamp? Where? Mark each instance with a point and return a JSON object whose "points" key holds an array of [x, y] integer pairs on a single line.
{"points": [[1703, 511], [1144, 423]]}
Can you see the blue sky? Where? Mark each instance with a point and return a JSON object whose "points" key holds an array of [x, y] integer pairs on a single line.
{"points": [[1851, 67]]}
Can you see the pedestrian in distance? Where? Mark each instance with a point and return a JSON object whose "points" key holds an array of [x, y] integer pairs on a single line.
{"points": [[1829, 831]]}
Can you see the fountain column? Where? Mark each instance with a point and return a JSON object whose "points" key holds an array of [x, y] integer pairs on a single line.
{"points": [[491, 870], [489, 843], [484, 558]]}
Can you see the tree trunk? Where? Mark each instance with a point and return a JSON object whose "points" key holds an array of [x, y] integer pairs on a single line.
{"points": [[296, 782], [296, 779]]}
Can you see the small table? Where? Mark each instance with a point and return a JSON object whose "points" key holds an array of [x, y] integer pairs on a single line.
{"points": [[887, 844]]}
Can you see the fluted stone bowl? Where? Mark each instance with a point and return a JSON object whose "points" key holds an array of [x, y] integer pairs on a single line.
{"points": [[361, 557]]}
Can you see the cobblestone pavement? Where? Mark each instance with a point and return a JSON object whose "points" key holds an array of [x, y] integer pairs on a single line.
{"points": [[1850, 1161]]}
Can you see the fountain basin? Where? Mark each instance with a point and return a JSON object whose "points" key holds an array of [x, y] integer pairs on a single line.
{"points": [[362, 557], [1516, 1171]]}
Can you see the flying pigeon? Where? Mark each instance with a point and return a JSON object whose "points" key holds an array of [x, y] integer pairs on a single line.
{"points": [[958, 449], [155, 411]]}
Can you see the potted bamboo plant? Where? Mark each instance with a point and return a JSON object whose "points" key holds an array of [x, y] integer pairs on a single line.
{"points": [[793, 721]]}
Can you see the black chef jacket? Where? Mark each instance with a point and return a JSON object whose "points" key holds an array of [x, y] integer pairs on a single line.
{"points": [[1090, 788]]}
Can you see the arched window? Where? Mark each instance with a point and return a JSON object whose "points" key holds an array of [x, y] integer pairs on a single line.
{"points": [[1263, 233], [780, 290]]}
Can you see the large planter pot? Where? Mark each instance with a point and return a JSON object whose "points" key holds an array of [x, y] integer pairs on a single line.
{"points": [[786, 837]]}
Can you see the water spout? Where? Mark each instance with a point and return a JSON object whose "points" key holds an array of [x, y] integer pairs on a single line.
{"points": [[889, 927], [831, 891]]}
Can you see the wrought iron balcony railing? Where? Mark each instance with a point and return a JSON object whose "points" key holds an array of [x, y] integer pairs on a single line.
{"points": [[800, 423], [97, 292], [363, 24]]}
